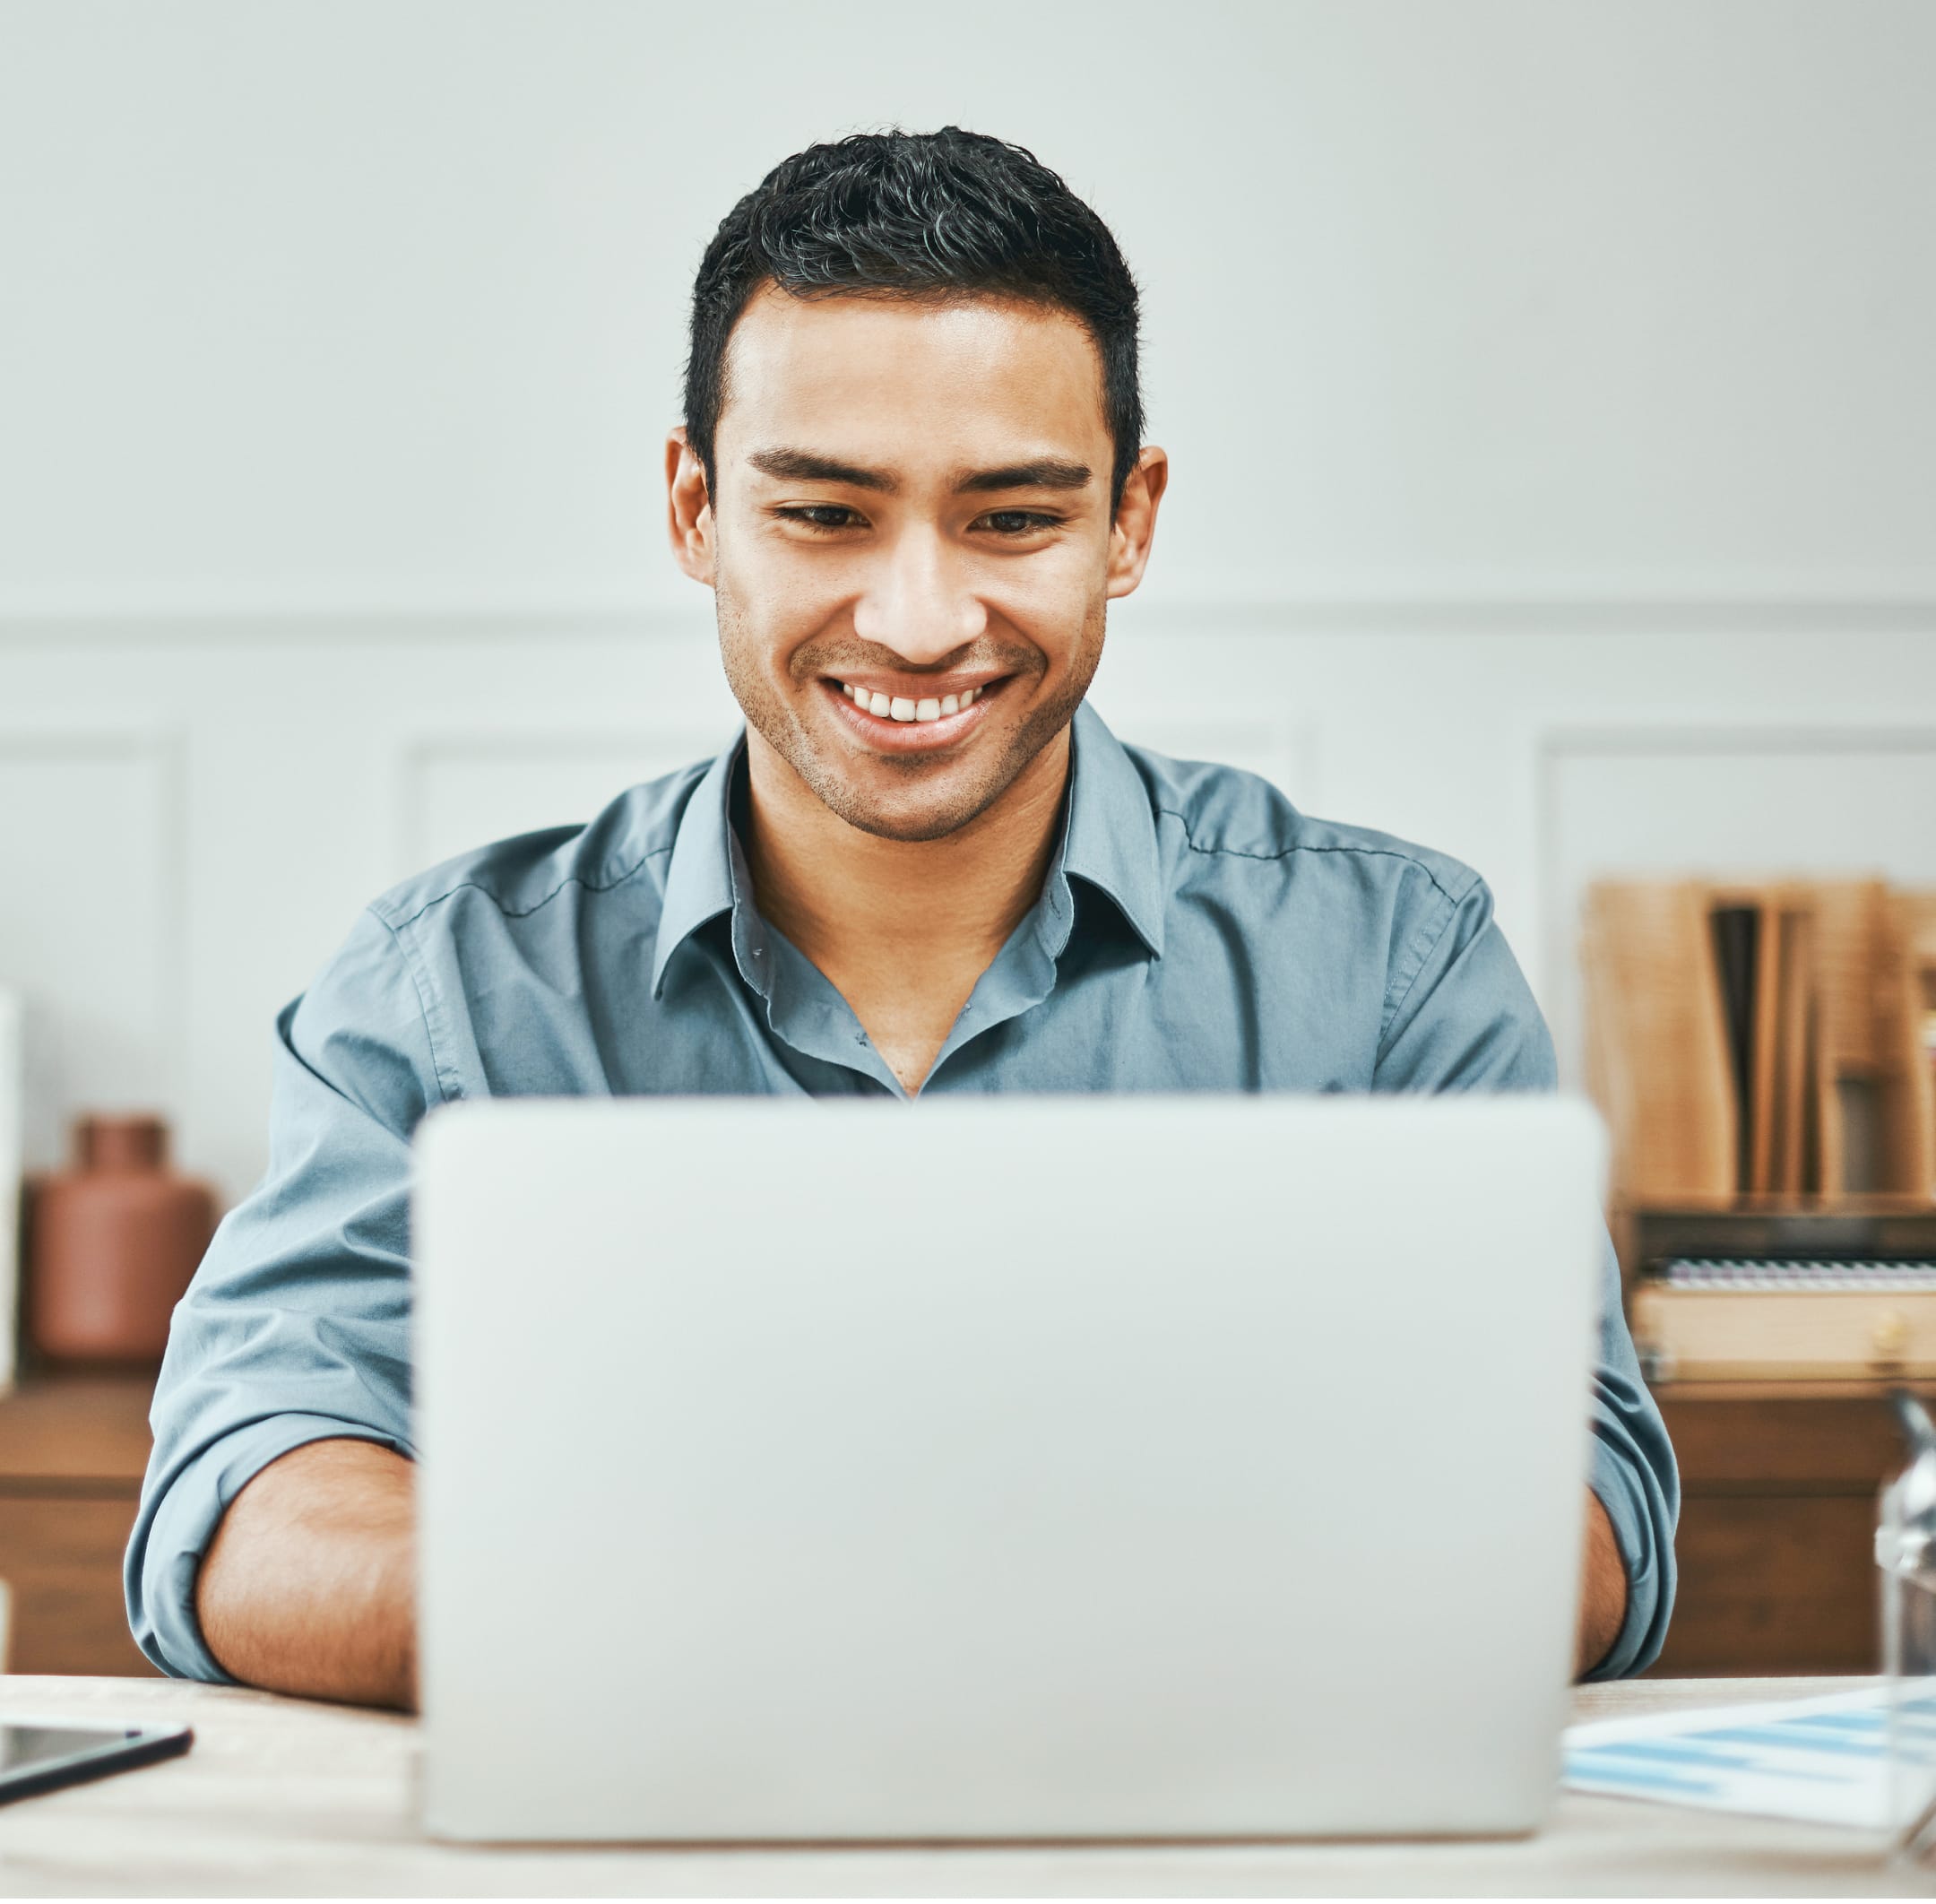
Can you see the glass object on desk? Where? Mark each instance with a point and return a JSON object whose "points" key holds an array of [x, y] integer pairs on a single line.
{"points": [[1905, 1551]]}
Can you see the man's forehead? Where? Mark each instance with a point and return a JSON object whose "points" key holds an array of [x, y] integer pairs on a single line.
{"points": [[849, 364]]}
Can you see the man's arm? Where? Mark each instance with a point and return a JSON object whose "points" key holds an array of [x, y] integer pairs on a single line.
{"points": [[1462, 1020], [293, 1338], [1603, 1604], [309, 1585]]}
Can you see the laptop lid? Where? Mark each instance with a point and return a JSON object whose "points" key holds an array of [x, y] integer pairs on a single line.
{"points": [[1000, 1467]]}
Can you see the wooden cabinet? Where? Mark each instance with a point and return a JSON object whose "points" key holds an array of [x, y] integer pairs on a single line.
{"points": [[1779, 1485], [72, 1449]]}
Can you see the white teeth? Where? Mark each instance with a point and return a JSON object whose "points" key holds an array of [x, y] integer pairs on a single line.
{"points": [[906, 708]]}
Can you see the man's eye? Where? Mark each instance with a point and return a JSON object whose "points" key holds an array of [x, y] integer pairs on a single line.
{"points": [[1019, 522], [820, 516]]}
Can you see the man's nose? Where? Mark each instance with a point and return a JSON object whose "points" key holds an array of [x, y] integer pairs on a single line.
{"points": [[919, 601]]}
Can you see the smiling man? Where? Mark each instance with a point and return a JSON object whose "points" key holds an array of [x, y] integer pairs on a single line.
{"points": [[912, 473]]}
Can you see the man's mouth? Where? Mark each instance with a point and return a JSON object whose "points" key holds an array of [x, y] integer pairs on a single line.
{"points": [[904, 709], [908, 720]]}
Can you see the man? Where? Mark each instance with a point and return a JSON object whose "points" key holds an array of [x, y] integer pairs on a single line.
{"points": [[912, 472]]}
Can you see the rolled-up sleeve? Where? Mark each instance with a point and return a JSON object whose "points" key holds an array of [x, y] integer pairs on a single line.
{"points": [[296, 1327], [1459, 1016]]}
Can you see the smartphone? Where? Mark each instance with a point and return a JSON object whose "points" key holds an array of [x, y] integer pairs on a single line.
{"points": [[41, 1758]]}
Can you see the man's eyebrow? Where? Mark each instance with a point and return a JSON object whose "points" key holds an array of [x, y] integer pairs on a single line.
{"points": [[1046, 472], [798, 466]]}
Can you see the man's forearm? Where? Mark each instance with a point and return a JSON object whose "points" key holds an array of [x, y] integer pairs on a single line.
{"points": [[309, 1585], [1603, 1607]]}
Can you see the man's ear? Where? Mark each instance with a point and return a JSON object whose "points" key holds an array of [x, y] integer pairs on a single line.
{"points": [[688, 507], [1135, 527]]}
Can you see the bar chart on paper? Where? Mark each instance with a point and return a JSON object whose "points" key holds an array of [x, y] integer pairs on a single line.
{"points": [[1845, 1759]]}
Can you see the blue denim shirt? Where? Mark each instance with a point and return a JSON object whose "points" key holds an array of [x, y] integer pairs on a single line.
{"points": [[1195, 932]]}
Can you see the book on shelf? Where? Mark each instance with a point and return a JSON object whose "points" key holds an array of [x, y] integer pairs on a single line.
{"points": [[1759, 1041]]}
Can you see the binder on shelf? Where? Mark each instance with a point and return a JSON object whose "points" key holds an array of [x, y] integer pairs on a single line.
{"points": [[1796, 1058], [1658, 1055], [1762, 1041]]}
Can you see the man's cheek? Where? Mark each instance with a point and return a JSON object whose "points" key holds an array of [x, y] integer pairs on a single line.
{"points": [[1052, 623]]}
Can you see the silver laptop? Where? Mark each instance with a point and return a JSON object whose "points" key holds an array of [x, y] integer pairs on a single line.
{"points": [[1000, 1468]]}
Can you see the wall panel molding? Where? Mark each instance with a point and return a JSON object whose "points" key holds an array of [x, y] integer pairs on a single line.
{"points": [[436, 771], [1582, 608], [106, 898]]}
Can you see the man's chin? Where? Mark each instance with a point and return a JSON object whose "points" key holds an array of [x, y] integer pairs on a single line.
{"points": [[907, 812]]}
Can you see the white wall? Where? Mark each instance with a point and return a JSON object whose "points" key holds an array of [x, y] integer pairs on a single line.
{"points": [[1547, 384]]}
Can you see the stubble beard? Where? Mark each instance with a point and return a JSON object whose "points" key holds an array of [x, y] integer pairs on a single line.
{"points": [[961, 795]]}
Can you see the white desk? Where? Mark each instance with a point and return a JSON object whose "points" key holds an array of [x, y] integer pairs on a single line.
{"points": [[284, 1795]]}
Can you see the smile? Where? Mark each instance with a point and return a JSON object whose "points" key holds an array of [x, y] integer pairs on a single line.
{"points": [[898, 707], [907, 723]]}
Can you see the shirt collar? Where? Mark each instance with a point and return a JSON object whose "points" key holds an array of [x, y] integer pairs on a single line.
{"points": [[1110, 841], [699, 882], [1111, 837]]}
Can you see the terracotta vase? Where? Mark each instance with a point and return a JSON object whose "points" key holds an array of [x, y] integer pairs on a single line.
{"points": [[111, 1245]]}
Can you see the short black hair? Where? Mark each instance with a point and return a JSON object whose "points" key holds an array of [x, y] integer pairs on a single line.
{"points": [[947, 213]]}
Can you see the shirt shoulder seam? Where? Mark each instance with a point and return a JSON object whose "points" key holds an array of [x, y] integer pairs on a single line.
{"points": [[511, 912], [1284, 852]]}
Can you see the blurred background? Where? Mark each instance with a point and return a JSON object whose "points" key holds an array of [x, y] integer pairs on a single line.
{"points": [[1547, 386]]}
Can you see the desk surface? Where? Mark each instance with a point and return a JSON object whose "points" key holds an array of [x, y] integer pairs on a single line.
{"points": [[285, 1796]]}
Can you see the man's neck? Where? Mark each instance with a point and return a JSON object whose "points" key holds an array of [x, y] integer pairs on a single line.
{"points": [[901, 929]]}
